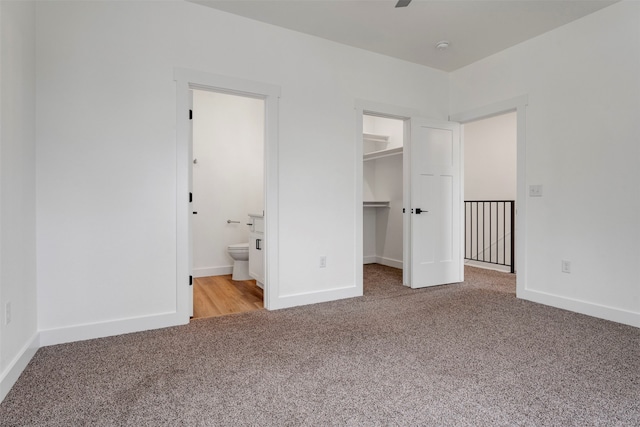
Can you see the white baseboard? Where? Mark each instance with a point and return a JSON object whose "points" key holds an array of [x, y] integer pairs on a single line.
{"points": [[590, 309], [487, 266], [213, 271], [370, 259], [13, 370], [389, 262], [375, 259], [110, 328], [295, 300]]}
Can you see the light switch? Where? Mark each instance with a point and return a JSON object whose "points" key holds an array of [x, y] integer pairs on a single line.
{"points": [[535, 190]]}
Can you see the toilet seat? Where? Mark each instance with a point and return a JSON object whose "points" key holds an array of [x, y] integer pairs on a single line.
{"points": [[238, 247]]}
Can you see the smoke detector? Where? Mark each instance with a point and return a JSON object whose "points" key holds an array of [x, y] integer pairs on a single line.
{"points": [[442, 45]]}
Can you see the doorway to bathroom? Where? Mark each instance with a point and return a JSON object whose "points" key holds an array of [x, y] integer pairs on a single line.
{"points": [[188, 81], [228, 195]]}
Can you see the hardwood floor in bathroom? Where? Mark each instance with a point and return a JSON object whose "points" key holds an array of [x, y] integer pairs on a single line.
{"points": [[219, 295]]}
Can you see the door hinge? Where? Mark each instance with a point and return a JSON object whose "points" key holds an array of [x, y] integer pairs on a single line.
{"points": [[190, 280], [190, 114], [403, 210], [190, 197]]}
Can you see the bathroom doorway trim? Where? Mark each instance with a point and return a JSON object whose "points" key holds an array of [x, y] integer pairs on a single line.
{"points": [[187, 80]]}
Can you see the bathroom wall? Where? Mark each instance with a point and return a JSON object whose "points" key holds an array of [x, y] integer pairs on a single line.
{"points": [[228, 145], [382, 230]]}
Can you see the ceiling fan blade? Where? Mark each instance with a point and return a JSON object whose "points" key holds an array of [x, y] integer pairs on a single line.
{"points": [[403, 3]]}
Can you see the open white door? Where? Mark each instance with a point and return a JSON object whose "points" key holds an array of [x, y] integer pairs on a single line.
{"points": [[190, 222], [436, 203]]}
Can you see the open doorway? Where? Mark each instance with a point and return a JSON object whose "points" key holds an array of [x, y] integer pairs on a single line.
{"points": [[428, 178], [490, 192], [228, 203], [383, 142], [186, 82]]}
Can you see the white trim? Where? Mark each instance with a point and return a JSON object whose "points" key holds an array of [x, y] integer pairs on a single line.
{"points": [[407, 277], [491, 110], [191, 79], [519, 105], [316, 297], [389, 262], [374, 108], [520, 266], [487, 266], [463, 208], [106, 329], [358, 253], [13, 370], [590, 309], [213, 271], [375, 259]]}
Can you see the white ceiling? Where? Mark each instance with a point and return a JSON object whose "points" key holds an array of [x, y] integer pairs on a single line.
{"points": [[474, 28]]}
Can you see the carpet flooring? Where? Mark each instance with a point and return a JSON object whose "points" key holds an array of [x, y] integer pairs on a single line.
{"points": [[467, 354]]}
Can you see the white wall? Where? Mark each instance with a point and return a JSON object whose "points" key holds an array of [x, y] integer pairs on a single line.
{"points": [[18, 339], [107, 151], [389, 221], [582, 133], [369, 246], [490, 158], [106, 156], [369, 236], [228, 143]]}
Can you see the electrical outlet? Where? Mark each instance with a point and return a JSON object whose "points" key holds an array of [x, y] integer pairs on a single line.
{"points": [[566, 266], [323, 261], [7, 313], [535, 191]]}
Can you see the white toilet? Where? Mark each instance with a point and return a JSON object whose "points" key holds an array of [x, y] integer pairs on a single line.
{"points": [[240, 254]]}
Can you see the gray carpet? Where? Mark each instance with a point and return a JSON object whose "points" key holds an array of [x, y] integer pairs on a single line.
{"points": [[467, 354]]}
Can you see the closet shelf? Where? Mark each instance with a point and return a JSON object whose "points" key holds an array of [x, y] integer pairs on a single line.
{"points": [[370, 137], [382, 153], [376, 204]]}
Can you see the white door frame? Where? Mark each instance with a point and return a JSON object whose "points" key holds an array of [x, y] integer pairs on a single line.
{"points": [[392, 112], [519, 105], [187, 80]]}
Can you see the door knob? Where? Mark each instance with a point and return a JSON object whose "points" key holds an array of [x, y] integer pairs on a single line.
{"points": [[419, 211]]}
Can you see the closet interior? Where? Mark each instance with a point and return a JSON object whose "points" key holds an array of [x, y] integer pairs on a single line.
{"points": [[383, 141]]}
